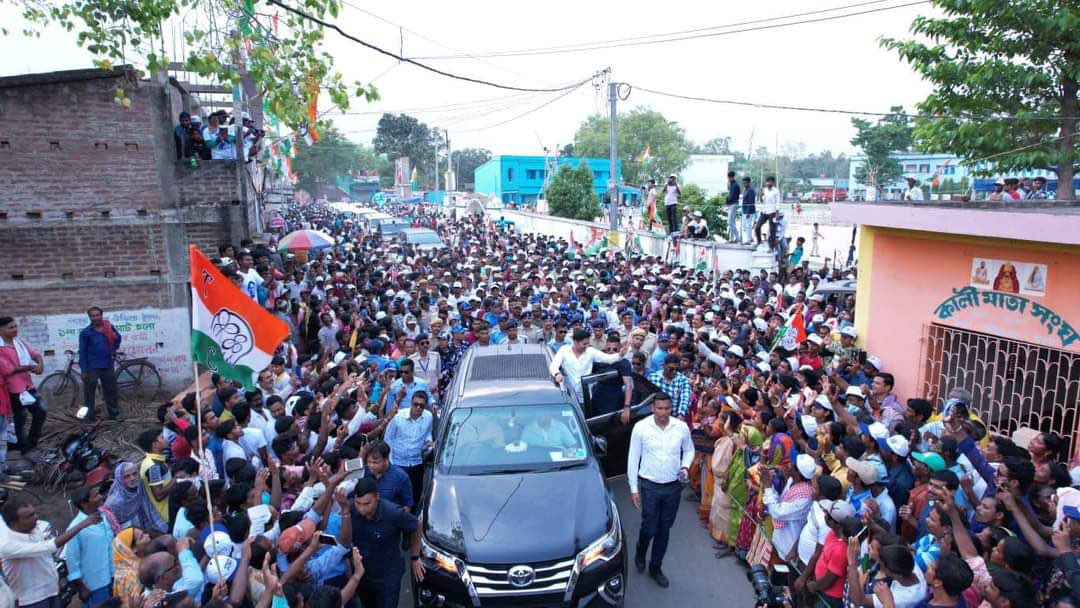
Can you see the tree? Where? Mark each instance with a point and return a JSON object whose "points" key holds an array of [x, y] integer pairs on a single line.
{"points": [[567, 150], [465, 163], [714, 210], [716, 145], [321, 163], [1006, 76], [373, 163], [640, 129], [399, 135], [570, 193], [225, 39], [891, 133]]}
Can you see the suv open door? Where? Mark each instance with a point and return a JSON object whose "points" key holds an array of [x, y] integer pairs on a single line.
{"points": [[609, 426]]}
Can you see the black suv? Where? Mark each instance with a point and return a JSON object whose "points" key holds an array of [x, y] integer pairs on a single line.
{"points": [[516, 508]]}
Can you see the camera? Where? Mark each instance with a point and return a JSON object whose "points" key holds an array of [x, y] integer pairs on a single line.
{"points": [[769, 587]]}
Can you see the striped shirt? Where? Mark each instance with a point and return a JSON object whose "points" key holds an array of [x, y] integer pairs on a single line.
{"points": [[678, 388]]}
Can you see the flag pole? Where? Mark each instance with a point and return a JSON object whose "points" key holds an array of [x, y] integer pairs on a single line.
{"points": [[202, 447]]}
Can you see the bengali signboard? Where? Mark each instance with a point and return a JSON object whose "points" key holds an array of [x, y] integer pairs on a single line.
{"points": [[163, 336], [1059, 332]]}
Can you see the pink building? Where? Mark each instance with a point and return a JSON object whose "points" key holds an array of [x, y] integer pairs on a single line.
{"points": [[983, 296]]}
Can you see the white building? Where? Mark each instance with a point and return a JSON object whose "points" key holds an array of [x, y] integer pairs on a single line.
{"points": [[708, 171]]}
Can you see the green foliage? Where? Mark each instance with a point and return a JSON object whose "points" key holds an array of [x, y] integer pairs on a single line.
{"points": [[640, 128], [570, 193], [331, 157], [1014, 59], [889, 134], [712, 209], [373, 162], [716, 145], [465, 163], [399, 135], [287, 66]]}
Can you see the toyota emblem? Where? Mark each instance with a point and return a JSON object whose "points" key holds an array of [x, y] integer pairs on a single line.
{"points": [[521, 576]]}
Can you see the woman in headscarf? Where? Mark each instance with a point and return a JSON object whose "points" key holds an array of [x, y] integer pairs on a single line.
{"points": [[128, 548], [127, 503], [724, 452], [746, 455]]}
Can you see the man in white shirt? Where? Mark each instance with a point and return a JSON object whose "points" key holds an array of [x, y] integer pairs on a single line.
{"points": [[770, 204], [428, 363], [661, 453], [913, 192], [671, 204], [812, 536], [28, 557], [575, 360]]}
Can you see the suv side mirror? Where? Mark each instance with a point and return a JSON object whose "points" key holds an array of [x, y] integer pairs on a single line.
{"points": [[428, 454], [600, 445]]}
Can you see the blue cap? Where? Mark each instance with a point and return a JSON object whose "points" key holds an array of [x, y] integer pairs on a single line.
{"points": [[504, 316], [1071, 511], [564, 307], [663, 338], [464, 305], [511, 324], [457, 329], [597, 323], [389, 365], [375, 345]]}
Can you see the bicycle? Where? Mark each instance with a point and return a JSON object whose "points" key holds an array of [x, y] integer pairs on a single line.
{"points": [[137, 378]]}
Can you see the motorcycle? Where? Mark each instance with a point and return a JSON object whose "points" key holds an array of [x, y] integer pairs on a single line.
{"points": [[76, 460]]}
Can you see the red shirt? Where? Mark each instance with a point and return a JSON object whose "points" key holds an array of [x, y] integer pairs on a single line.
{"points": [[833, 559]]}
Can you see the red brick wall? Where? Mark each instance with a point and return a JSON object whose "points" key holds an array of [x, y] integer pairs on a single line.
{"points": [[69, 147]]}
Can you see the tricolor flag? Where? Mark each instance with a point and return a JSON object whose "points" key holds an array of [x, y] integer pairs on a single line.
{"points": [[792, 333], [230, 333], [311, 136], [646, 155]]}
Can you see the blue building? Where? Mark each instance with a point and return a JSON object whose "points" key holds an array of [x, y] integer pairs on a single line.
{"points": [[520, 179], [954, 176]]}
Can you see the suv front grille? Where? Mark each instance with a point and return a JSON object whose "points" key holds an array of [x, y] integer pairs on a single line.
{"points": [[494, 581], [509, 366]]}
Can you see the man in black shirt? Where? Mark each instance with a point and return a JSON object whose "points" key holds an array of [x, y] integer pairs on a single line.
{"points": [[377, 526], [611, 394], [733, 199], [749, 209]]}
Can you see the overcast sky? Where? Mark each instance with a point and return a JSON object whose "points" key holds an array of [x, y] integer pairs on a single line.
{"points": [[832, 64]]}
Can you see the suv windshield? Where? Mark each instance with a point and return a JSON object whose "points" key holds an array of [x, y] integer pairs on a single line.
{"points": [[511, 439]]}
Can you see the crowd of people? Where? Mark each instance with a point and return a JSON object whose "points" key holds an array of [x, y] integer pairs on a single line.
{"points": [[217, 139], [304, 490]]}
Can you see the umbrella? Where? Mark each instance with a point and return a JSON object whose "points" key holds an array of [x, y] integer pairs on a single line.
{"points": [[305, 240]]}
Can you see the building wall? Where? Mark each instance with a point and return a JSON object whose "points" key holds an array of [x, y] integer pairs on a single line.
{"points": [[905, 276], [708, 171], [519, 179], [97, 211]]}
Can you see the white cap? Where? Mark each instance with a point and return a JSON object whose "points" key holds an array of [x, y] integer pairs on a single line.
{"points": [[761, 324], [849, 331], [824, 402], [379, 316], [735, 350], [220, 567], [806, 465], [764, 367], [878, 430], [816, 339], [854, 391], [218, 543], [875, 361], [763, 356], [809, 424], [899, 445]]}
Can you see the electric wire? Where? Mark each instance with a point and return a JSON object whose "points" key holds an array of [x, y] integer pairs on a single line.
{"points": [[368, 45], [685, 34]]}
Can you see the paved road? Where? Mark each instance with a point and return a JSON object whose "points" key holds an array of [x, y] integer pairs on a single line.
{"points": [[697, 577]]}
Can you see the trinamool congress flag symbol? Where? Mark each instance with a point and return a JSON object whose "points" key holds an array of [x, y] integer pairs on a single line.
{"points": [[230, 333]]}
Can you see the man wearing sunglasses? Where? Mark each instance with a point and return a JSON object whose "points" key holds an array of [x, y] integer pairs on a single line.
{"points": [[427, 363]]}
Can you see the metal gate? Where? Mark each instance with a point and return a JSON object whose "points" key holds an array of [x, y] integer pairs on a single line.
{"points": [[1013, 384]]}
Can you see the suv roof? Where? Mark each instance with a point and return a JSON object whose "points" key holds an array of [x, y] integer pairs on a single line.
{"points": [[499, 374]]}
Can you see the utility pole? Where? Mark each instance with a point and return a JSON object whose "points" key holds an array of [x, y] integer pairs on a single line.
{"points": [[451, 182], [437, 142], [613, 143]]}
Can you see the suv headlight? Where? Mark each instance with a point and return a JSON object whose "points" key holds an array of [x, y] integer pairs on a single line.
{"points": [[436, 559], [604, 548]]}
